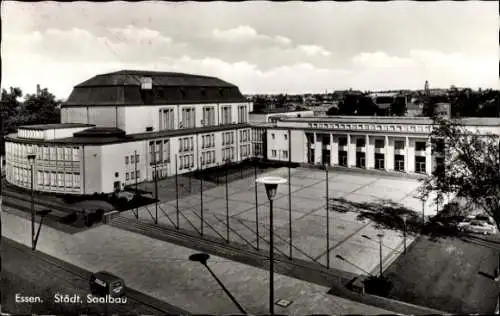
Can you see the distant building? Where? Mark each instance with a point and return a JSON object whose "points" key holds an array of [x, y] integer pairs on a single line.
{"points": [[443, 109], [414, 109], [272, 115]]}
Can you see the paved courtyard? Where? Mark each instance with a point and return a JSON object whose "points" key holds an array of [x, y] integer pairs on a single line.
{"points": [[163, 271], [355, 199]]}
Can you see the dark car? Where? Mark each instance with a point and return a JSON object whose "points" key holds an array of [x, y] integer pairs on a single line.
{"points": [[104, 283]]}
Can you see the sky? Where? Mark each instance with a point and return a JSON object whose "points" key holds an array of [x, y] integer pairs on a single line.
{"points": [[262, 47]]}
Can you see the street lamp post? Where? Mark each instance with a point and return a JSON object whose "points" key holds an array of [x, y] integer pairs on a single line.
{"points": [[227, 201], [201, 198], [423, 211], [177, 192], [155, 177], [380, 236], [203, 258], [256, 205], [327, 222], [405, 217], [31, 160], [271, 185]]}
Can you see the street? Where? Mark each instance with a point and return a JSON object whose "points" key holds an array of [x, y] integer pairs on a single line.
{"points": [[33, 276]]}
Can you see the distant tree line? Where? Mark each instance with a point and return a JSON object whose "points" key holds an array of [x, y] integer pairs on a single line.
{"points": [[465, 103], [18, 109]]}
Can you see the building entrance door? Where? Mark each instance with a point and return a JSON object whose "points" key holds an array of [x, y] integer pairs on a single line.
{"points": [[326, 156]]}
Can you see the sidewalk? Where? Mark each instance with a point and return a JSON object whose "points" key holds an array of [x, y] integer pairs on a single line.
{"points": [[163, 271]]}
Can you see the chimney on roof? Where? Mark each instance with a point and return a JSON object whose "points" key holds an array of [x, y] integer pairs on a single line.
{"points": [[38, 90]]}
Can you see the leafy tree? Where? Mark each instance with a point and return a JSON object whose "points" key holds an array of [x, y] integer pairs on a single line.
{"points": [[398, 106], [42, 108], [259, 103], [332, 111], [366, 106], [349, 105], [10, 106], [470, 169]]}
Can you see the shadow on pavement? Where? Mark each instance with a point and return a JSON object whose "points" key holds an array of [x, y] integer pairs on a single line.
{"points": [[387, 214]]}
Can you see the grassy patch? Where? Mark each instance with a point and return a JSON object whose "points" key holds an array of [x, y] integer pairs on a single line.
{"points": [[449, 274]]}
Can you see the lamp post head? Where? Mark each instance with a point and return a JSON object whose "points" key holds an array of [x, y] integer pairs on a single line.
{"points": [[271, 184], [380, 235], [200, 257], [404, 217]]}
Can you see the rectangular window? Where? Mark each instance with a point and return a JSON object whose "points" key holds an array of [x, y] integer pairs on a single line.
{"points": [[379, 143], [286, 137], [273, 153], [131, 158], [60, 153], [420, 146], [46, 178], [158, 151], [342, 141], [46, 154], [242, 114], [67, 154], [420, 164], [226, 117], [399, 163], [132, 174], [137, 158], [170, 119], [52, 155], [53, 179], [379, 161], [188, 118], [68, 181], [75, 154], [343, 158], [360, 142], [138, 174], [76, 180], [40, 178], [399, 144], [60, 179], [166, 150], [209, 116], [151, 152], [285, 154], [126, 176], [126, 160]]}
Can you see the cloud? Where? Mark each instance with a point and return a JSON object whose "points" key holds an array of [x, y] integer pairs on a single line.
{"points": [[441, 69], [314, 50], [283, 40], [132, 33], [245, 33], [242, 32]]}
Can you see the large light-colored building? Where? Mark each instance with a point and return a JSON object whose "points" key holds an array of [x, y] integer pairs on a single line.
{"points": [[118, 128], [385, 143]]}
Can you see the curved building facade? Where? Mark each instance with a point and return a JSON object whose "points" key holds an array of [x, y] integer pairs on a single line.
{"points": [[118, 128]]}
